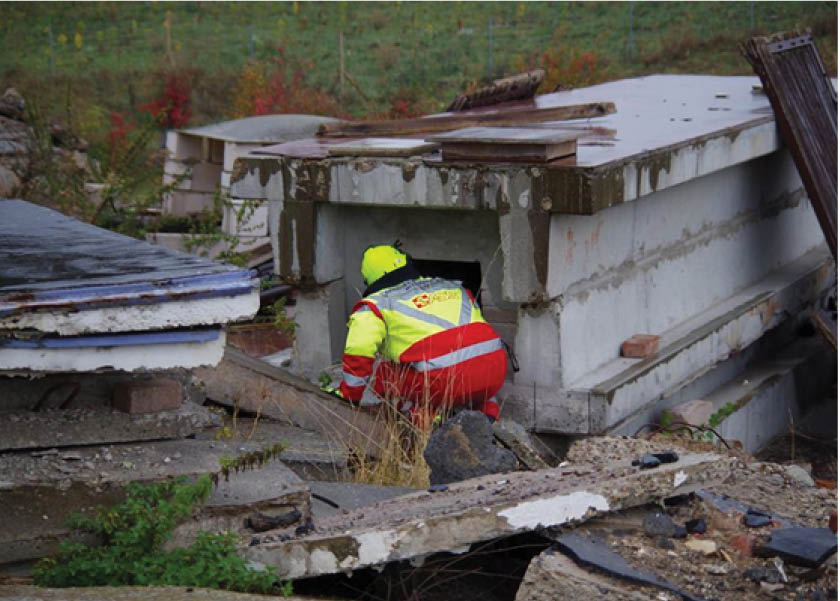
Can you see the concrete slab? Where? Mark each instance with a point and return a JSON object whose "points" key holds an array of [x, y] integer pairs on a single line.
{"points": [[476, 510], [100, 281], [615, 391], [552, 576], [307, 453], [83, 426], [348, 496], [134, 593], [258, 387], [42, 489]]}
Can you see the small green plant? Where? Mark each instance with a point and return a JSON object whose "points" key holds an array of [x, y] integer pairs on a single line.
{"points": [[134, 531], [133, 534], [281, 319]]}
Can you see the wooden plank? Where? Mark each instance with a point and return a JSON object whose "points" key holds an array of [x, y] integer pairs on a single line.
{"points": [[449, 122], [383, 147], [258, 387], [506, 144], [505, 135], [505, 153], [805, 104]]}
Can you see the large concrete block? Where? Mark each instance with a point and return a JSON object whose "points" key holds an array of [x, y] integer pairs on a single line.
{"points": [[245, 217], [205, 177]]}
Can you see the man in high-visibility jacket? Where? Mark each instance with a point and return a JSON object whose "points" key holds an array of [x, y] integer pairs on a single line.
{"points": [[438, 351]]}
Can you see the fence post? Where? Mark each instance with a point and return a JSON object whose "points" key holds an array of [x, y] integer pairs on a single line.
{"points": [[52, 51], [752, 16], [630, 34], [251, 40], [490, 47], [341, 65]]}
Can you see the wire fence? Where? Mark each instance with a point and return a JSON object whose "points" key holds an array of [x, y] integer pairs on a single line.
{"points": [[375, 47]]}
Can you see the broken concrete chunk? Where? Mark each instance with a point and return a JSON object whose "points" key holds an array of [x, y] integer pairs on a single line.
{"points": [[464, 447], [800, 546], [706, 547], [516, 438], [695, 412], [798, 475], [424, 523], [598, 555]]}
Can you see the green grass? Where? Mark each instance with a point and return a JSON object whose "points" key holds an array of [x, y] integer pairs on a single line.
{"points": [[112, 56]]}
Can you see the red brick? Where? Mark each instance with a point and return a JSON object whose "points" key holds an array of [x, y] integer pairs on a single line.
{"points": [[640, 345], [148, 396], [744, 543]]}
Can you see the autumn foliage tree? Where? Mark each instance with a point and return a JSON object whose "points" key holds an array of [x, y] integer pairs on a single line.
{"points": [[172, 108]]}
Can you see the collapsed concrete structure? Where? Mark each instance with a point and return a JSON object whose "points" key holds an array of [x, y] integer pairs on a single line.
{"points": [[680, 216], [198, 167]]}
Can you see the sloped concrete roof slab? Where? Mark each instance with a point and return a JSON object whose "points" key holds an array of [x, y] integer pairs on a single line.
{"points": [[261, 129], [60, 275]]}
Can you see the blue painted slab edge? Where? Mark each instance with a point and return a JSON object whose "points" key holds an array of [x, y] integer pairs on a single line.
{"points": [[85, 298], [110, 340]]}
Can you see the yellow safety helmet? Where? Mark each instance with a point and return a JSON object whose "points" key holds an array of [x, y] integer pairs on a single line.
{"points": [[379, 260]]}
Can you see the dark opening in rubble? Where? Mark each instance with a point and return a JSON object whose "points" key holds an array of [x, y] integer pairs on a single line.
{"points": [[488, 571], [469, 273]]}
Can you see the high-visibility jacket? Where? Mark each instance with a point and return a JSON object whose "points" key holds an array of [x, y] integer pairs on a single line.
{"points": [[426, 324]]}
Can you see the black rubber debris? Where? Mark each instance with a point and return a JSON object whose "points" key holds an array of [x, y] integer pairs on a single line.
{"points": [[667, 457], [800, 546], [647, 461], [696, 526], [756, 519], [596, 554]]}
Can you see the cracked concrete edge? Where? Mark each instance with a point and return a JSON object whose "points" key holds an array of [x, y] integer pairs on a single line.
{"points": [[418, 535], [551, 576]]}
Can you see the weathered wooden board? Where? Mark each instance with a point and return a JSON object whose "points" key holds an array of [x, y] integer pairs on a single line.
{"points": [[449, 122], [805, 103], [383, 147], [506, 144], [258, 387]]}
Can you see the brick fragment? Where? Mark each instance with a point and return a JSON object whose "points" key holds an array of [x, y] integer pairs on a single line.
{"points": [[147, 396], [745, 543], [639, 346]]}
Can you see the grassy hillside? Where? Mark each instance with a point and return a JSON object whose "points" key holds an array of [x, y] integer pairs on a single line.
{"points": [[96, 65]]}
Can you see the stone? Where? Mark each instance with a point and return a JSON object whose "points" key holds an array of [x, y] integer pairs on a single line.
{"points": [[695, 412], [763, 574], [658, 524], [706, 547], [463, 447], [640, 346], [12, 105], [798, 475], [9, 182], [663, 542], [800, 546], [745, 543], [516, 438], [148, 396]]}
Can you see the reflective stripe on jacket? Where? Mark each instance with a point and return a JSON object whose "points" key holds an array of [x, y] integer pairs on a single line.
{"points": [[427, 323]]}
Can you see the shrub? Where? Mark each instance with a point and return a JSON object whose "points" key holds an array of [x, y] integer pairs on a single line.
{"points": [[133, 534]]}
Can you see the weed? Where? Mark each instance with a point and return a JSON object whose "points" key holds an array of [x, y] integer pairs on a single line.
{"points": [[134, 532]]}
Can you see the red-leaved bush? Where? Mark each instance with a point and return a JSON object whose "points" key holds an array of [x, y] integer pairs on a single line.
{"points": [[172, 108]]}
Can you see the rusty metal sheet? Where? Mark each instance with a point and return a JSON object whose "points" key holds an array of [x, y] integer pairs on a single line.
{"points": [[805, 103]]}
